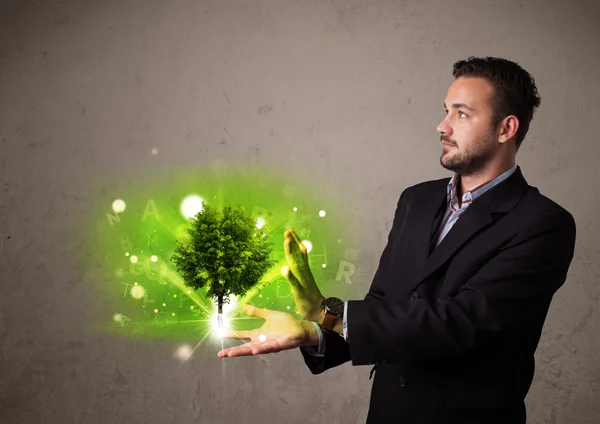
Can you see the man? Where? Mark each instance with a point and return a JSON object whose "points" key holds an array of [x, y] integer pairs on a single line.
{"points": [[456, 307]]}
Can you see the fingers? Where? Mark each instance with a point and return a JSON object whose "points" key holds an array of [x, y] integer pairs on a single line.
{"points": [[250, 349], [298, 241], [290, 237], [295, 254], [243, 350], [289, 275]]}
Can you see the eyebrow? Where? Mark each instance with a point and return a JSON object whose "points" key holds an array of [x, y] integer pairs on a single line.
{"points": [[459, 105]]}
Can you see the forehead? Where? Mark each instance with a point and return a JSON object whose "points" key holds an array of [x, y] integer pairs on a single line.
{"points": [[475, 92]]}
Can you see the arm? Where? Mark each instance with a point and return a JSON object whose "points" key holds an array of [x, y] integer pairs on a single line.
{"points": [[510, 293], [335, 349]]}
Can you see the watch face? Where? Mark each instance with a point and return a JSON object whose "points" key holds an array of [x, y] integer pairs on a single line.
{"points": [[334, 305]]}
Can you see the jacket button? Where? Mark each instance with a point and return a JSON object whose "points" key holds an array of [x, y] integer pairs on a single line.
{"points": [[414, 295], [402, 381]]}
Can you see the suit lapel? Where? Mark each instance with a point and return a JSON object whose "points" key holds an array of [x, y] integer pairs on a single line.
{"points": [[429, 212], [480, 214]]}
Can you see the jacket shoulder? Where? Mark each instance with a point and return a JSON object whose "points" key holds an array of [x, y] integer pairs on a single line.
{"points": [[426, 187], [541, 202]]}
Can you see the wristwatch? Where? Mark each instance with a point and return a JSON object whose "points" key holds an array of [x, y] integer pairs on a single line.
{"points": [[334, 308]]}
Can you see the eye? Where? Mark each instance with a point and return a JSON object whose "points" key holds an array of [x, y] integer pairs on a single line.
{"points": [[462, 113]]}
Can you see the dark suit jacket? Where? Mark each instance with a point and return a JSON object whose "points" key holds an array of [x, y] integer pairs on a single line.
{"points": [[453, 330]]}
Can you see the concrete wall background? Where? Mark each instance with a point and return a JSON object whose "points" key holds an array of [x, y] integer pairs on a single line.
{"points": [[352, 89]]}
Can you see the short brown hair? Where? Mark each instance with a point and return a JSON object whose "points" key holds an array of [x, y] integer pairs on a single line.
{"points": [[515, 92]]}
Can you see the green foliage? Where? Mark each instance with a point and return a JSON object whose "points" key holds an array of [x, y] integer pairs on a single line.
{"points": [[224, 252]]}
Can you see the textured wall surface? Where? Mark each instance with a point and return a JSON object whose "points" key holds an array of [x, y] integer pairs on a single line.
{"points": [[350, 91]]}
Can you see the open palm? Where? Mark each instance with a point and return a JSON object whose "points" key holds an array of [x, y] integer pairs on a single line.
{"points": [[281, 331]]}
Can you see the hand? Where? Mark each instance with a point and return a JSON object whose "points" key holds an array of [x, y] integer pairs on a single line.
{"points": [[308, 297], [281, 331]]}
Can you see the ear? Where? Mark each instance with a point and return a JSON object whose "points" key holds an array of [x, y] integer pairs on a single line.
{"points": [[508, 128]]}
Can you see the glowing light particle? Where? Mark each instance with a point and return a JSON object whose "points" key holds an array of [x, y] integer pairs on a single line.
{"points": [[308, 245], [324, 265], [183, 353], [118, 206], [156, 311], [322, 213], [295, 209], [260, 222], [126, 253], [173, 314], [220, 325], [154, 152], [137, 292], [121, 319], [284, 270], [191, 205], [133, 259], [164, 304], [154, 258], [262, 338]]}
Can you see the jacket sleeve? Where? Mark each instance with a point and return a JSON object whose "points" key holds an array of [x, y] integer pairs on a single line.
{"points": [[511, 292], [337, 353]]}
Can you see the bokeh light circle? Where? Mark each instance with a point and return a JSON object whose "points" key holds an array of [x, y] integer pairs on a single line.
{"points": [[191, 206]]}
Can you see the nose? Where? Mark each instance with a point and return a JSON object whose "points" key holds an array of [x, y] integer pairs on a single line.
{"points": [[444, 128]]}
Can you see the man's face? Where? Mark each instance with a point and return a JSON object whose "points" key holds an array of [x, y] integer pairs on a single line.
{"points": [[468, 139]]}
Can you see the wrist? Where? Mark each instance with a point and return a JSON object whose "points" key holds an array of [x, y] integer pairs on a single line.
{"points": [[311, 335], [338, 325], [321, 314]]}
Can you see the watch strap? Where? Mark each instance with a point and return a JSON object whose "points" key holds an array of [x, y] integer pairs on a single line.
{"points": [[328, 321]]}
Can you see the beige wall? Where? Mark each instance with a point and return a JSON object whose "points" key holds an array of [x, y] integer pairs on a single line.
{"points": [[351, 89]]}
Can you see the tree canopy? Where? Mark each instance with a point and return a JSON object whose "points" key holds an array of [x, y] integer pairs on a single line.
{"points": [[224, 251]]}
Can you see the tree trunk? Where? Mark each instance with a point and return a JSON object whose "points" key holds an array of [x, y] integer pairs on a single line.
{"points": [[220, 303]]}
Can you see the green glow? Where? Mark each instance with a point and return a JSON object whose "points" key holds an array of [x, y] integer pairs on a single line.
{"points": [[136, 245]]}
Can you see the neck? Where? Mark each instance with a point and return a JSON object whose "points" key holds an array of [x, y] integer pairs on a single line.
{"points": [[468, 182]]}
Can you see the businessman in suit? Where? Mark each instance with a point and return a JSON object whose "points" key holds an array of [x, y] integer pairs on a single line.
{"points": [[455, 311]]}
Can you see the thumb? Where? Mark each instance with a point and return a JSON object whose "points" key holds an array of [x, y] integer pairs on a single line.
{"points": [[254, 311]]}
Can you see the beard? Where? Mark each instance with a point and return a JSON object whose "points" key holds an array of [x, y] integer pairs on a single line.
{"points": [[472, 159]]}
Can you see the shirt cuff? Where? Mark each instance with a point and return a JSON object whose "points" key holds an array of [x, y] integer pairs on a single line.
{"points": [[320, 351], [346, 321]]}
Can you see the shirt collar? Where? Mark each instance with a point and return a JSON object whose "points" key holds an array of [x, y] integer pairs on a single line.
{"points": [[475, 192]]}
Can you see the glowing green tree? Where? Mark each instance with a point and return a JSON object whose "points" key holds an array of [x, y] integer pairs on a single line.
{"points": [[224, 251]]}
